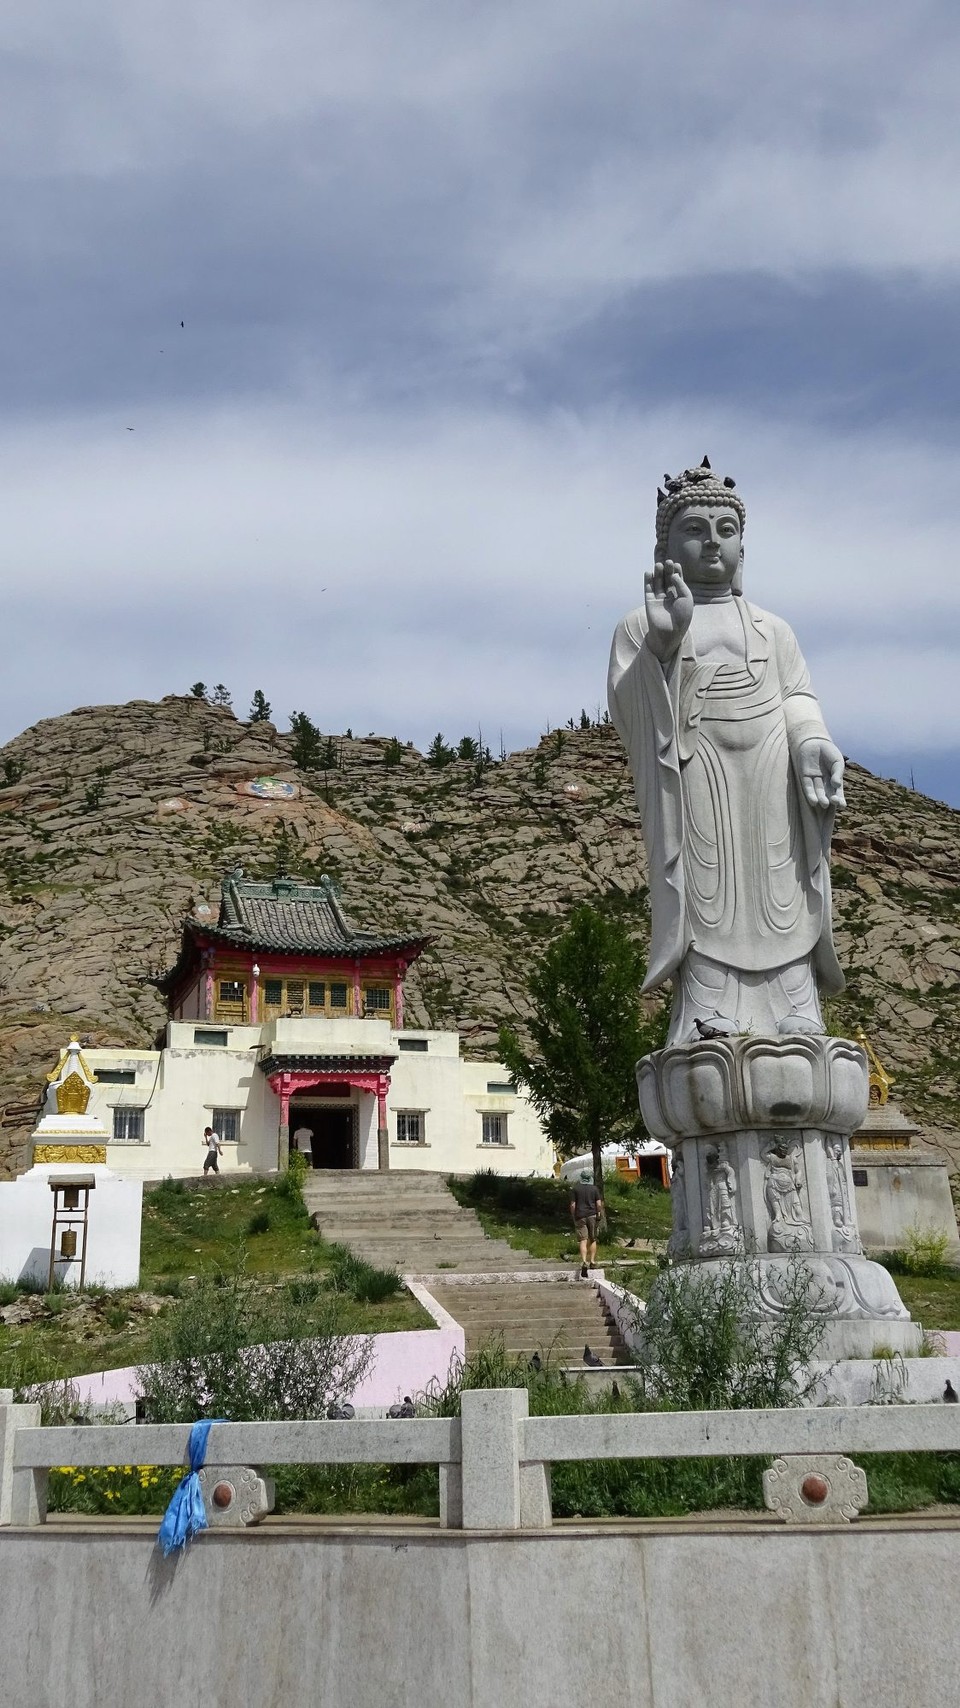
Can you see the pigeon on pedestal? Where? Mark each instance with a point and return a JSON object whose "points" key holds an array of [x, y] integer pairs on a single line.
{"points": [[950, 1395]]}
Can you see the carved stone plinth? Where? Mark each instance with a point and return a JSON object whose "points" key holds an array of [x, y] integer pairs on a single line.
{"points": [[235, 1495], [815, 1488], [759, 1129]]}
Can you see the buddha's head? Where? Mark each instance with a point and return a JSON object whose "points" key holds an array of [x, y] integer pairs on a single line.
{"points": [[700, 523]]}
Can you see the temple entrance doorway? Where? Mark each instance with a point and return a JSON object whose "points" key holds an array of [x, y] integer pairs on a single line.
{"points": [[333, 1139], [334, 1129]]}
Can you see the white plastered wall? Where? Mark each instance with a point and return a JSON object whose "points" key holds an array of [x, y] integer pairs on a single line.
{"points": [[113, 1228], [179, 1087]]}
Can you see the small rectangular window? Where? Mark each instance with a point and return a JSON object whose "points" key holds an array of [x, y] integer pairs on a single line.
{"points": [[232, 990], [208, 1037], [501, 1088], [411, 1127], [860, 1177], [376, 998], [226, 1122], [316, 995], [116, 1076], [494, 1129], [420, 1044], [273, 993], [338, 996], [128, 1126]]}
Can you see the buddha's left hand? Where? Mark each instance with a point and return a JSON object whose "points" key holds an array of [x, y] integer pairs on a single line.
{"points": [[820, 768]]}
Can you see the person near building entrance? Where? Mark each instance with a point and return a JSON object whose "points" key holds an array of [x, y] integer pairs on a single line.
{"points": [[214, 1150], [303, 1142], [586, 1206]]}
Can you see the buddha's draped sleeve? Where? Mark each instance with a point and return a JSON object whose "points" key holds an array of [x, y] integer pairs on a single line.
{"points": [[804, 719], [645, 705]]}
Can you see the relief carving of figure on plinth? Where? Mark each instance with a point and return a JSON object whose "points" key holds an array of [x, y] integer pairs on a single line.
{"points": [[737, 780], [721, 1235], [845, 1235], [783, 1185], [678, 1244]]}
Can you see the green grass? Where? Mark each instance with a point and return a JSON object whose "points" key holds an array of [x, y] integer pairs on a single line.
{"points": [[932, 1300], [534, 1214], [190, 1229], [187, 1226]]}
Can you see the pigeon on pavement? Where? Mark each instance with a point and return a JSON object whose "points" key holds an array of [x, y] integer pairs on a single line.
{"points": [[591, 1359]]}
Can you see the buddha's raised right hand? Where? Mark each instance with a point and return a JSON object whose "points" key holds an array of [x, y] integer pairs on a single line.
{"points": [[669, 605]]}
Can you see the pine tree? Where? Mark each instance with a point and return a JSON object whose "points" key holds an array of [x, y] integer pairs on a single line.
{"points": [[588, 1032], [221, 696], [199, 690], [467, 747], [305, 747], [393, 752], [260, 708], [439, 754]]}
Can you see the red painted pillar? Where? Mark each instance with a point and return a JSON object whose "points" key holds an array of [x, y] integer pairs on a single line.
{"points": [[398, 995], [357, 998], [383, 1133], [283, 1136], [254, 996]]}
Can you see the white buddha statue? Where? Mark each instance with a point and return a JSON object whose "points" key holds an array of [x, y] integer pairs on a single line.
{"points": [[737, 781]]}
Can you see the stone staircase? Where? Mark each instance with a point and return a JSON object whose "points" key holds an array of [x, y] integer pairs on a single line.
{"points": [[412, 1222], [536, 1313], [405, 1220]]}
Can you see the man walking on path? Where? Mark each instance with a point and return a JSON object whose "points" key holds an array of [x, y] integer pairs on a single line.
{"points": [[214, 1150], [586, 1206]]}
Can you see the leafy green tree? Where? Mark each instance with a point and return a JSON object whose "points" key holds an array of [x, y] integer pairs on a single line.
{"points": [[305, 748], [260, 708], [589, 1031], [439, 753], [199, 690]]}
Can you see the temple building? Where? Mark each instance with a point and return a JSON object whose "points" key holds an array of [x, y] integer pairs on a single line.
{"points": [[284, 1018]]}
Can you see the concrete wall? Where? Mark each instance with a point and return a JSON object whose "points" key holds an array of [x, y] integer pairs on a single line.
{"points": [[113, 1229], [903, 1189], [674, 1615], [179, 1088]]}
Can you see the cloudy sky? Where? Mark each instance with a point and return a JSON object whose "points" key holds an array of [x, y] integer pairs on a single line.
{"points": [[458, 280]]}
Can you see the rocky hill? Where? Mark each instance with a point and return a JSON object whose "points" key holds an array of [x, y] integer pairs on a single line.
{"points": [[115, 821]]}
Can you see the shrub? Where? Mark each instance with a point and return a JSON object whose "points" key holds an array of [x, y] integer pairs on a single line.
{"points": [[362, 1281], [708, 1344], [259, 1223], [923, 1252], [238, 1348]]}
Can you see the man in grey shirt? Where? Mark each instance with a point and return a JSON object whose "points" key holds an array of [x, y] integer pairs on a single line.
{"points": [[586, 1205]]}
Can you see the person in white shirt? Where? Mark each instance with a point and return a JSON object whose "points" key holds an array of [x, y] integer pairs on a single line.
{"points": [[214, 1150], [303, 1142]]}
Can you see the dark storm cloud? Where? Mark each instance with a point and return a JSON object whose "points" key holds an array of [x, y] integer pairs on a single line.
{"points": [[457, 284]]}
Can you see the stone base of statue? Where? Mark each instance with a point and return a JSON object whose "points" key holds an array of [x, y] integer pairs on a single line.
{"points": [[760, 1133]]}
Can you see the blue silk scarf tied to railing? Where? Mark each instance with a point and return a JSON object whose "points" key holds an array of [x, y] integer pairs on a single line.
{"points": [[186, 1516]]}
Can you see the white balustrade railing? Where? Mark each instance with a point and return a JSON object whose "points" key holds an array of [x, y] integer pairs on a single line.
{"points": [[494, 1460]]}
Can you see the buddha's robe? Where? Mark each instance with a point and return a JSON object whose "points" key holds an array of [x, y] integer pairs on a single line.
{"points": [[738, 860]]}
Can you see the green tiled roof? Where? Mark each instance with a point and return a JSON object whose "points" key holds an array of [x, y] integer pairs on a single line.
{"points": [[285, 914], [287, 917]]}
